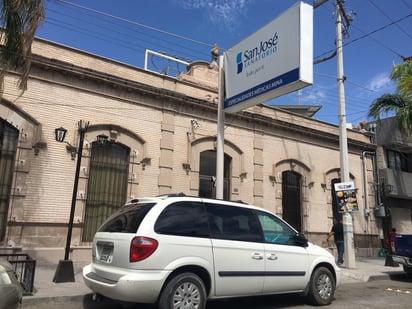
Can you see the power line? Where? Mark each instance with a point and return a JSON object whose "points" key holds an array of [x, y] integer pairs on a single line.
{"points": [[116, 39], [137, 24], [369, 35], [111, 28], [91, 24], [380, 29], [387, 16], [406, 4], [211, 45]]}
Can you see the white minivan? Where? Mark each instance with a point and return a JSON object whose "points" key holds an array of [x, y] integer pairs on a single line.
{"points": [[178, 252]]}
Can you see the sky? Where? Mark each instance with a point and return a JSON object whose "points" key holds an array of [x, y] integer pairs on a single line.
{"points": [[379, 36]]}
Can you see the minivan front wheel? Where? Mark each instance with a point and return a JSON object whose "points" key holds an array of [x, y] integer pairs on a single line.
{"points": [[184, 291], [321, 287]]}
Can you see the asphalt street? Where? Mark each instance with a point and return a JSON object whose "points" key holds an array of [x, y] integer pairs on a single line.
{"points": [[390, 292]]}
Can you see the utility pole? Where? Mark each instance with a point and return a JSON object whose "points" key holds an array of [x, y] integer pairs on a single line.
{"points": [[349, 254]]}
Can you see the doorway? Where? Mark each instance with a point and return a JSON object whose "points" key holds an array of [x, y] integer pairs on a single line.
{"points": [[291, 199]]}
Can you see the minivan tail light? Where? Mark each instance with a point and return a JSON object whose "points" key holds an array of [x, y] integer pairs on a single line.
{"points": [[141, 248]]}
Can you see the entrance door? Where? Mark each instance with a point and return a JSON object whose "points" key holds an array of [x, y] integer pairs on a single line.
{"points": [[291, 199], [107, 185]]}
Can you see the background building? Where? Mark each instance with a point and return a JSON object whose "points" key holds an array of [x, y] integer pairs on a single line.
{"points": [[161, 139], [395, 175]]}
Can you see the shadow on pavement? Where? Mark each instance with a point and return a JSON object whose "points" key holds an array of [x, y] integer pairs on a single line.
{"points": [[106, 303], [404, 277], [260, 302]]}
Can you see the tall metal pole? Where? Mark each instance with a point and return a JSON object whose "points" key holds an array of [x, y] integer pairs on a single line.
{"points": [[220, 138], [82, 132], [349, 254], [65, 271]]}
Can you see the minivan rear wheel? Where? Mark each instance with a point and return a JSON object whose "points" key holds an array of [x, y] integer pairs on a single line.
{"points": [[321, 287], [185, 290]]}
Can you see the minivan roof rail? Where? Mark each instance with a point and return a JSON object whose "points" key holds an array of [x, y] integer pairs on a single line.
{"points": [[240, 202], [180, 194]]}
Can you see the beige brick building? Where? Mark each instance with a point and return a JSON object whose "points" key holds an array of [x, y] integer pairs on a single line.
{"points": [[162, 138]]}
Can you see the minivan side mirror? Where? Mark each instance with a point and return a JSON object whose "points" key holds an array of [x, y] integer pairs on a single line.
{"points": [[300, 240]]}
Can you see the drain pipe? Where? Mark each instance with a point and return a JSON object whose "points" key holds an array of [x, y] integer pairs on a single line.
{"points": [[365, 181], [365, 186]]}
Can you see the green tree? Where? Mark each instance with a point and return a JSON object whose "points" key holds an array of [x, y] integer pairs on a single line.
{"points": [[19, 21], [400, 102]]}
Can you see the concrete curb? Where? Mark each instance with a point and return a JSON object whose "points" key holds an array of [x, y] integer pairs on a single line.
{"points": [[29, 302]]}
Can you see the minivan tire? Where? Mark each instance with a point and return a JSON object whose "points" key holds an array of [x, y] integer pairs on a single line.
{"points": [[321, 287], [181, 290]]}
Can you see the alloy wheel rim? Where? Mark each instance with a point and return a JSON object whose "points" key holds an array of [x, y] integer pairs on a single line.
{"points": [[324, 286], [186, 296]]}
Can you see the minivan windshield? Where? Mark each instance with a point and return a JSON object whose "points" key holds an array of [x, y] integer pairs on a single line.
{"points": [[127, 219]]}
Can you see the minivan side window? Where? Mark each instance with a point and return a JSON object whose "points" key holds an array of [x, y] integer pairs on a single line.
{"points": [[183, 219], [276, 231], [233, 223], [127, 219]]}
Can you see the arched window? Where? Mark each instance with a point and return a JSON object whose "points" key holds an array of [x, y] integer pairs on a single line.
{"points": [[8, 146], [107, 185], [291, 199], [207, 175]]}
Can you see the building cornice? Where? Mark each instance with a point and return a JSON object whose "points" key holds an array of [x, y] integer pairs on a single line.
{"points": [[249, 115]]}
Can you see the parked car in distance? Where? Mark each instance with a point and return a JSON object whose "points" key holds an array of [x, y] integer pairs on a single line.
{"points": [[11, 292], [403, 251], [179, 251]]}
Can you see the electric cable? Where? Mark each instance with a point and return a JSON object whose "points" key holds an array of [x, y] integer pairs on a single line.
{"points": [[388, 17], [365, 35], [138, 24]]}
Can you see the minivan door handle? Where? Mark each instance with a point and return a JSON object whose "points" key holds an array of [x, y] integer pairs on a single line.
{"points": [[272, 257], [257, 256]]}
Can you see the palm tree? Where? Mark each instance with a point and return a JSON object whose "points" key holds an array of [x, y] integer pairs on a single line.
{"points": [[19, 21], [400, 102], [402, 74]]}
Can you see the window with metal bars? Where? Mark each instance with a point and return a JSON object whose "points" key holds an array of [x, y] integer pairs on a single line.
{"points": [[8, 148]]}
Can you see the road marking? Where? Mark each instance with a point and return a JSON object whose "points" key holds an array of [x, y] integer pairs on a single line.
{"points": [[398, 291]]}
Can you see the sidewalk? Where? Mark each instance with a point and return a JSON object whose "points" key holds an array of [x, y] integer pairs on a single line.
{"points": [[369, 268], [47, 291]]}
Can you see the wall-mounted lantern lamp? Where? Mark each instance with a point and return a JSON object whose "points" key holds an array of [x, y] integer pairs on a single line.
{"points": [[145, 161], [186, 167], [272, 179], [60, 134], [243, 176], [102, 139]]}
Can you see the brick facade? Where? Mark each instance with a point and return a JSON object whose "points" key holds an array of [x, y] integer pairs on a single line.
{"points": [[153, 115]]}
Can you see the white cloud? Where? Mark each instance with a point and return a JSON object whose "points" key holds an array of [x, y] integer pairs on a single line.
{"points": [[219, 11], [314, 95], [381, 83]]}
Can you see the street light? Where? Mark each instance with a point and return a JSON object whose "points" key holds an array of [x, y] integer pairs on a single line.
{"points": [[65, 271], [101, 139]]}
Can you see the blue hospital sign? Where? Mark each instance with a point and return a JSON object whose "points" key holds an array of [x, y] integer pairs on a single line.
{"points": [[273, 61]]}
